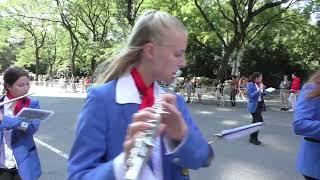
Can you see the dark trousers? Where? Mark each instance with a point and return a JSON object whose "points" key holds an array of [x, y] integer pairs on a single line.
{"points": [[233, 97], [257, 117], [309, 178], [9, 174]]}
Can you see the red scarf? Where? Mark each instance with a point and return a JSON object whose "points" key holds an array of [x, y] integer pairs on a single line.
{"points": [[21, 103], [145, 92]]}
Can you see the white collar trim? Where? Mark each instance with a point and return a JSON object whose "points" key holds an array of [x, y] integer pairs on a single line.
{"points": [[127, 92]]}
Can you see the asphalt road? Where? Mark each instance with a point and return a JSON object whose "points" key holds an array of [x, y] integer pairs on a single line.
{"points": [[234, 160]]}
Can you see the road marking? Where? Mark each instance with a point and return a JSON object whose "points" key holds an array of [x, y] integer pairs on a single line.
{"points": [[66, 156]]}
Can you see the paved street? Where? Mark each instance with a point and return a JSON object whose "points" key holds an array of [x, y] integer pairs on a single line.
{"points": [[235, 160]]}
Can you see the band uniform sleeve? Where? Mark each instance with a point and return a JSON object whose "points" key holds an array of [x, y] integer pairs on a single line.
{"points": [[88, 154], [186, 155], [9, 123], [252, 91], [306, 118]]}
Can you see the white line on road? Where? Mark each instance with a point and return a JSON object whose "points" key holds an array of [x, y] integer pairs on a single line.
{"points": [[66, 156]]}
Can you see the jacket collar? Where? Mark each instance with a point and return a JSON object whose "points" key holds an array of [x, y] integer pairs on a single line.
{"points": [[127, 92]]}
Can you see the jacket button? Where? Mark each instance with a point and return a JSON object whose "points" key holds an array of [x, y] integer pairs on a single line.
{"points": [[175, 160]]}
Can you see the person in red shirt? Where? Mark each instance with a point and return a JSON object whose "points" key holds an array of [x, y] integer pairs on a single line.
{"points": [[295, 88]]}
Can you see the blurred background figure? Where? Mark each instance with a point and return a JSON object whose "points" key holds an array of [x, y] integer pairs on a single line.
{"points": [[255, 91], [242, 88], [284, 93], [295, 88]]}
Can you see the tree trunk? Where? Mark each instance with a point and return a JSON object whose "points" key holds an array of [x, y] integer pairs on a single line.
{"points": [[73, 57], [37, 62], [50, 70], [222, 72], [93, 64]]}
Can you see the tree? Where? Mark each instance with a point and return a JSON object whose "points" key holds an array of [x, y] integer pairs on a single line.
{"points": [[70, 23], [39, 37], [129, 9], [240, 17], [36, 29], [97, 17], [56, 47], [7, 56], [7, 48]]}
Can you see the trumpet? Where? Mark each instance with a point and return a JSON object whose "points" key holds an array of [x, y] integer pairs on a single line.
{"points": [[140, 152]]}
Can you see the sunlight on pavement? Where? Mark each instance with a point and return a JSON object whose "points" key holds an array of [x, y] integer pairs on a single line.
{"points": [[249, 171], [225, 109], [206, 112], [278, 144], [230, 122], [56, 92]]}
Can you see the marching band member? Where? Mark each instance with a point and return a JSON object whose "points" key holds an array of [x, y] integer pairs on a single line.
{"points": [[18, 154], [255, 106], [116, 112], [307, 124]]}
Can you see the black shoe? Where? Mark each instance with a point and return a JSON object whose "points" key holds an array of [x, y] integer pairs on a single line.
{"points": [[285, 109], [255, 141], [282, 109]]}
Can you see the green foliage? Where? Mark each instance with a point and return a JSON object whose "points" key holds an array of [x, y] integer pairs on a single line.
{"points": [[287, 44], [272, 62], [7, 57]]}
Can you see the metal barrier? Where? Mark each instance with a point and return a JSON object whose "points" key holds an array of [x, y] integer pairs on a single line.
{"points": [[56, 85], [220, 94], [280, 97]]}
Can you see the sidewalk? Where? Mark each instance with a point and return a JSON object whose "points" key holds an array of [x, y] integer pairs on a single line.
{"points": [[271, 104], [206, 100], [56, 92]]}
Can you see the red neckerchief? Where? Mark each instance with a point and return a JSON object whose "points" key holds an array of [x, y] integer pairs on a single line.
{"points": [[145, 92], [21, 103], [258, 84]]}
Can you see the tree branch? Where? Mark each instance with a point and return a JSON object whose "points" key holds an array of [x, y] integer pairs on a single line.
{"points": [[211, 25], [236, 10], [31, 17], [268, 6], [137, 9], [223, 14]]}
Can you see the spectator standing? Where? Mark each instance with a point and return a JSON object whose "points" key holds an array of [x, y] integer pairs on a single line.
{"points": [[199, 91], [233, 92], [295, 88], [242, 87], [188, 87], [284, 93]]}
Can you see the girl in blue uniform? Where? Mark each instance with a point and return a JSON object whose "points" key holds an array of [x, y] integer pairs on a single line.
{"points": [[307, 124], [255, 106], [116, 112], [18, 153]]}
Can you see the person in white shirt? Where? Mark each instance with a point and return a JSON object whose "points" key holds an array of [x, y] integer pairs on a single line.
{"points": [[199, 91]]}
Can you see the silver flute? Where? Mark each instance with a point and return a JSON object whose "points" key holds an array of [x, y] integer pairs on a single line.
{"points": [[140, 152]]}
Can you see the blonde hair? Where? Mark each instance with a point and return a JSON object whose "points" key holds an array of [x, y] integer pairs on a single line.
{"points": [[151, 26], [315, 78]]}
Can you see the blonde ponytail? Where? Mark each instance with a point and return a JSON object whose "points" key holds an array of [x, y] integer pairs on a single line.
{"points": [[151, 26]]}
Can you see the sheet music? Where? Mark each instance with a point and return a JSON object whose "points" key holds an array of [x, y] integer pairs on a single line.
{"points": [[28, 114], [242, 128], [270, 89]]}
